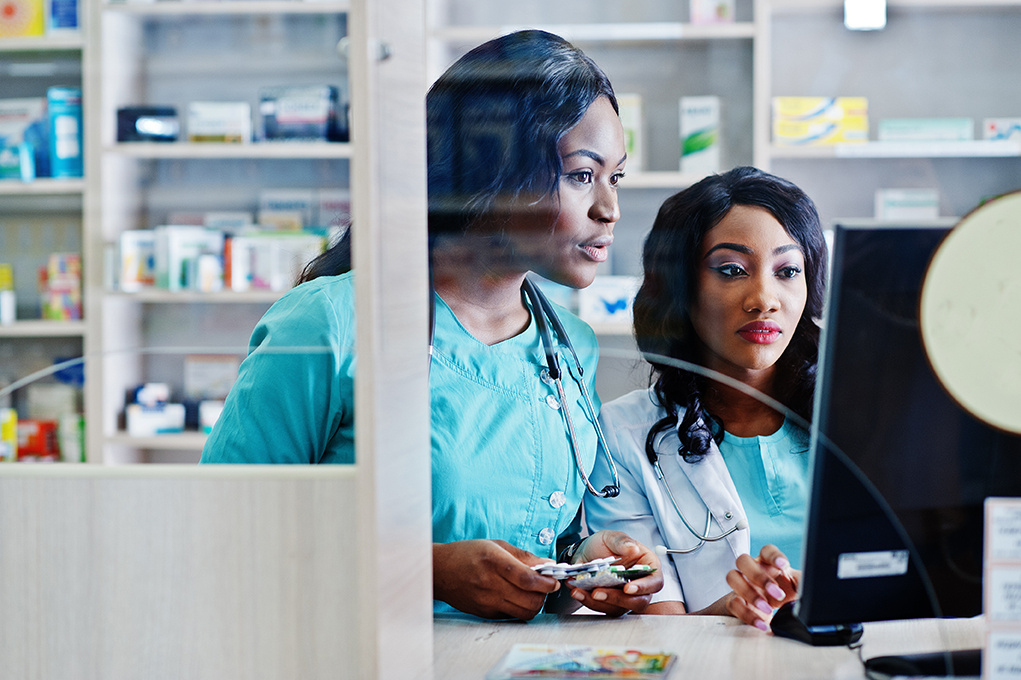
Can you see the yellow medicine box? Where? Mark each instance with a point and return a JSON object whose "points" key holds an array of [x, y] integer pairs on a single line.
{"points": [[814, 121]]}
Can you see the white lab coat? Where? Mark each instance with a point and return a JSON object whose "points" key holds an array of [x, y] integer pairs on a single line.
{"points": [[644, 511]]}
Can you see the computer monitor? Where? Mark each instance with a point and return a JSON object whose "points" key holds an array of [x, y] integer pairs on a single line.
{"points": [[895, 522]]}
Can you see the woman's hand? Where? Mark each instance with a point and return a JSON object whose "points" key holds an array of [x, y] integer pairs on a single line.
{"points": [[491, 579], [761, 584], [635, 595]]}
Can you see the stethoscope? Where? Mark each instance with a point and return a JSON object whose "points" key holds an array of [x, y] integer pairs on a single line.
{"points": [[546, 316], [703, 537]]}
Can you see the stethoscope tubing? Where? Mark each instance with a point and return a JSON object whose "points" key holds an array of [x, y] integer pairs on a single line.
{"points": [[543, 310], [702, 537]]}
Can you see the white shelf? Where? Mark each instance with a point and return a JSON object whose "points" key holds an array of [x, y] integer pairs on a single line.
{"points": [[611, 328], [222, 297], [608, 32], [267, 66], [221, 7], [801, 6], [212, 150], [659, 180], [42, 187], [44, 43], [968, 149], [184, 441], [43, 329]]}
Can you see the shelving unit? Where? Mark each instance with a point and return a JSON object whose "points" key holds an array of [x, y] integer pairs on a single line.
{"points": [[934, 58], [48, 43], [633, 45], [268, 150], [39, 217], [43, 329], [171, 53], [43, 186], [964, 149], [155, 296], [185, 441], [665, 31], [238, 7], [659, 180]]}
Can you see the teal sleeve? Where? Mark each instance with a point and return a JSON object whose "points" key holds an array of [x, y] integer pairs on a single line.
{"points": [[293, 399]]}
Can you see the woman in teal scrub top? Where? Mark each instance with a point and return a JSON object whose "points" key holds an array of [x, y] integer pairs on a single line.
{"points": [[735, 272], [525, 150]]}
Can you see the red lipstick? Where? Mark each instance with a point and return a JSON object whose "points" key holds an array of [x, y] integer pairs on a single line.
{"points": [[760, 332]]}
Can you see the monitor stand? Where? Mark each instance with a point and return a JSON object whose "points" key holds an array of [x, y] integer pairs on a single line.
{"points": [[786, 624]]}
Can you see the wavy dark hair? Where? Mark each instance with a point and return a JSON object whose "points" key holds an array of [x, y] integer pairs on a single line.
{"points": [[662, 320], [494, 120]]}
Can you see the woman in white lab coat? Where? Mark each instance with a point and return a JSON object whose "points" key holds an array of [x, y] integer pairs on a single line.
{"points": [[735, 271]]}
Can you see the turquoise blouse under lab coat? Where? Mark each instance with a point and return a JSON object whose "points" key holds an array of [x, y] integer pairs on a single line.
{"points": [[501, 457]]}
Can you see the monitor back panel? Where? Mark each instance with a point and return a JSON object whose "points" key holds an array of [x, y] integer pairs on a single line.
{"points": [[913, 468]]}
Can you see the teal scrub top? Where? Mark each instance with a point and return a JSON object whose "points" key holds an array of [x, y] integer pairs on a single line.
{"points": [[502, 462], [770, 474], [293, 401]]}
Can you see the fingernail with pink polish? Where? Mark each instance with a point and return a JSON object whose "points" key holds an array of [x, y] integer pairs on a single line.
{"points": [[775, 591], [781, 563], [761, 625], [763, 606], [599, 596]]}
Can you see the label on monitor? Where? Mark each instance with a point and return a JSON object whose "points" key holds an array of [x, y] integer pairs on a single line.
{"points": [[872, 564]]}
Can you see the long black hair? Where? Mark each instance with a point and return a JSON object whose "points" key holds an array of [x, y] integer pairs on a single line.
{"points": [[494, 120], [662, 308]]}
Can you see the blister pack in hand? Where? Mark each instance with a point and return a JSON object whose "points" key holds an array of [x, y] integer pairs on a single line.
{"points": [[599, 573]]}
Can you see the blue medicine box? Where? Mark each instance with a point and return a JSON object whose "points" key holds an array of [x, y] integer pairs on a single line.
{"points": [[65, 112]]}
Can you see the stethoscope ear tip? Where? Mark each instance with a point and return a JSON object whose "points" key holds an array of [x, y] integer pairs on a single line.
{"points": [[661, 550]]}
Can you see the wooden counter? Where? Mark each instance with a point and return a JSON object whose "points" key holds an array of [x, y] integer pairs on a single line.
{"points": [[707, 646]]}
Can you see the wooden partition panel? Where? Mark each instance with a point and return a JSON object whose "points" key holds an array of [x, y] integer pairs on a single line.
{"points": [[388, 201], [170, 572]]}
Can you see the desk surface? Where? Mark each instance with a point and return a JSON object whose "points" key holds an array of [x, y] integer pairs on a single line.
{"points": [[707, 646]]}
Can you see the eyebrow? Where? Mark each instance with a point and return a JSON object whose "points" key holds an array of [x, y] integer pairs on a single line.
{"points": [[594, 156], [748, 251]]}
